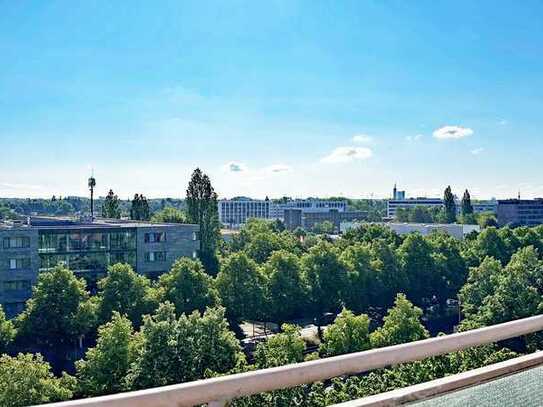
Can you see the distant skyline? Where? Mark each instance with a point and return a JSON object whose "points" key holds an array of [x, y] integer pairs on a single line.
{"points": [[295, 98]]}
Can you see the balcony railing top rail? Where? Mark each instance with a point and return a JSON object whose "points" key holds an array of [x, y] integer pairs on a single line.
{"points": [[217, 391]]}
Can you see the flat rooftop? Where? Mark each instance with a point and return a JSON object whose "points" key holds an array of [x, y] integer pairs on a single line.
{"points": [[62, 223]]}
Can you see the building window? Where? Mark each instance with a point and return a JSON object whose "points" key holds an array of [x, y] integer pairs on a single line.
{"points": [[16, 285], [18, 264], [158, 237], [16, 242], [195, 236], [154, 257], [12, 309]]}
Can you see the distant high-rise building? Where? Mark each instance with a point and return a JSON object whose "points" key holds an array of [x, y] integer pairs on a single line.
{"points": [[397, 195], [520, 212]]}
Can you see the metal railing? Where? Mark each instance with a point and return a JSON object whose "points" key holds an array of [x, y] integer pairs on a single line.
{"points": [[218, 391]]}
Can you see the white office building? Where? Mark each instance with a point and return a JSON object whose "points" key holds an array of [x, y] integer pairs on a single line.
{"points": [[236, 212], [277, 210], [394, 204]]}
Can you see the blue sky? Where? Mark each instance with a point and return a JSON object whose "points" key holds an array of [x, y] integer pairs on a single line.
{"points": [[298, 98]]}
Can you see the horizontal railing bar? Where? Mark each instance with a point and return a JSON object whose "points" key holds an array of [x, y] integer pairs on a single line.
{"points": [[436, 388], [245, 384]]}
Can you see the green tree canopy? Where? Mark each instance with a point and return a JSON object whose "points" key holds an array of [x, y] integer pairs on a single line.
{"points": [[202, 210], [281, 349], [58, 312], [241, 287], [27, 379], [348, 334], [326, 278], [401, 325], [285, 291], [179, 350], [106, 365], [139, 208], [415, 254], [126, 292], [450, 205], [188, 287], [7, 332], [111, 208], [169, 215]]}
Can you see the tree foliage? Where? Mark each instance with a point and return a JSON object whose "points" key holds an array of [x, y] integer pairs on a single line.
{"points": [[105, 366], [111, 207], [202, 210], [27, 379], [281, 349], [188, 287], [58, 312], [402, 324], [126, 292], [348, 334]]}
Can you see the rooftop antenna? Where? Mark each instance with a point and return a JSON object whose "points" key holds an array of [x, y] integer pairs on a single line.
{"points": [[92, 184]]}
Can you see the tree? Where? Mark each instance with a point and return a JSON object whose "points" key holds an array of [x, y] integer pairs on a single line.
{"points": [[391, 277], [490, 244], [325, 228], [420, 214], [185, 349], [139, 208], [487, 220], [106, 365], [202, 209], [282, 349], [467, 207], [58, 313], [348, 334], [326, 278], [188, 287], [7, 332], [450, 205], [401, 325], [364, 285], [241, 287], [450, 267], [415, 255], [169, 215], [285, 291], [517, 291], [126, 292], [111, 207], [27, 379], [481, 284]]}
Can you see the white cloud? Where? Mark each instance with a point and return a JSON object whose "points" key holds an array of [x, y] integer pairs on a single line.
{"points": [[452, 132], [477, 151], [235, 166], [412, 139], [278, 168], [347, 154], [362, 139]]}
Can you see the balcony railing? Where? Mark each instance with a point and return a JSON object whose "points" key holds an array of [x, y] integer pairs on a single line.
{"points": [[218, 391]]}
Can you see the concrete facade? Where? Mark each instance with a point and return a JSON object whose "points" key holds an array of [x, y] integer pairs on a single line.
{"points": [[88, 249], [520, 212], [455, 230]]}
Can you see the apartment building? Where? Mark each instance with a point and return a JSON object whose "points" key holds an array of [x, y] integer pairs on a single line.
{"points": [[87, 248]]}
